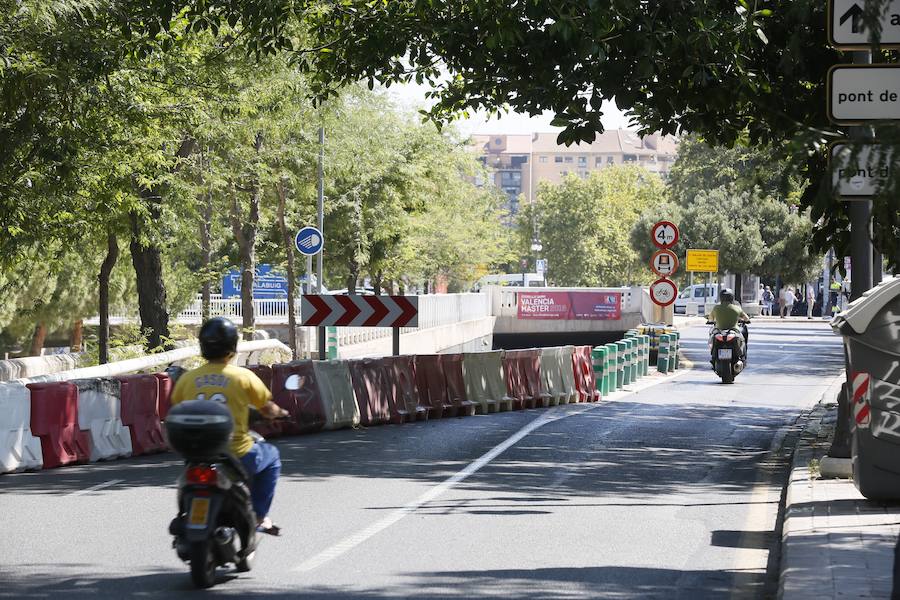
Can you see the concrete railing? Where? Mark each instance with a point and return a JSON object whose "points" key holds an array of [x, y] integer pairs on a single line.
{"points": [[246, 352]]}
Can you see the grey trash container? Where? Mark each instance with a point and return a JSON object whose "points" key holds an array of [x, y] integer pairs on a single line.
{"points": [[870, 327]]}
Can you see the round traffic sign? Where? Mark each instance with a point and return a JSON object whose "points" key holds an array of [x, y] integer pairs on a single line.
{"points": [[664, 263], [663, 292], [309, 241], [664, 234]]}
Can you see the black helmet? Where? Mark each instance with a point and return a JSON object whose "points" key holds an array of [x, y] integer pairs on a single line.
{"points": [[726, 295], [218, 338]]}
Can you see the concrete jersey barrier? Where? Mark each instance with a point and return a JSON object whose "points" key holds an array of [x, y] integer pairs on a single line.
{"points": [[19, 449]]}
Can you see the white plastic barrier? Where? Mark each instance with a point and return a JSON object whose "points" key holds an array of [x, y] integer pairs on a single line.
{"points": [[19, 450], [483, 374], [552, 385], [566, 367], [336, 388], [100, 413]]}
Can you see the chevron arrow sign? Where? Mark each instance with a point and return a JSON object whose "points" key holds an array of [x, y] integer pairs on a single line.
{"points": [[359, 311]]}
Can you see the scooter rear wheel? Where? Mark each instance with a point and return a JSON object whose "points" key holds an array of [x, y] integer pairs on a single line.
{"points": [[725, 370], [203, 564]]}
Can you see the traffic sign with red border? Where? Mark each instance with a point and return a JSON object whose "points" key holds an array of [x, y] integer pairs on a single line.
{"points": [[664, 234], [663, 292], [664, 263]]}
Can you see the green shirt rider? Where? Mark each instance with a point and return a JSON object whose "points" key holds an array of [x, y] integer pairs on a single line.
{"points": [[726, 315]]}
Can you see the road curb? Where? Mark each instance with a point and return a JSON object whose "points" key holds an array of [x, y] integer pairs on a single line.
{"points": [[798, 577]]}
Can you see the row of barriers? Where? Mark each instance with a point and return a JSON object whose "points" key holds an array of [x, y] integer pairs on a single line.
{"points": [[51, 424]]}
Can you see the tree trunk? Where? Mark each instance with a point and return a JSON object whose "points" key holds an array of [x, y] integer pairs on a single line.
{"points": [[738, 287], [77, 336], [206, 256], [37, 340], [289, 250], [112, 255], [376, 282], [245, 231], [151, 290]]}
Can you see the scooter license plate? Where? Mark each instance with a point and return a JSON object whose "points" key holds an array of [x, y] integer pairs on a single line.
{"points": [[199, 515], [725, 353]]}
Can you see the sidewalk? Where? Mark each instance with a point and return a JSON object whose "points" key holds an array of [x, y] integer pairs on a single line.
{"points": [[836, 544]]}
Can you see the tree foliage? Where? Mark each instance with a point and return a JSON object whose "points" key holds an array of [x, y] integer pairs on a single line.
{"points": [[584, 226]]}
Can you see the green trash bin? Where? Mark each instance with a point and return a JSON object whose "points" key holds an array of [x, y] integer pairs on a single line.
{"points": [[662, 357]]}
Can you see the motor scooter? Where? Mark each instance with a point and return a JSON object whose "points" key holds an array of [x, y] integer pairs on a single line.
{"points": [[728, 351], [215, 525]]}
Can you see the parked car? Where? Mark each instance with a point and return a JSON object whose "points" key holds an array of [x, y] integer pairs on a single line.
{"points": [[700, 293]]}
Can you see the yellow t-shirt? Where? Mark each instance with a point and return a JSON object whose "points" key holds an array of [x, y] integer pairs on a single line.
{"points": [[235, 386]]}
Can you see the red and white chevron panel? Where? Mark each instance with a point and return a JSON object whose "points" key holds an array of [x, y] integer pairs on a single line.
{"points": [[860, 399], [359, 311]]}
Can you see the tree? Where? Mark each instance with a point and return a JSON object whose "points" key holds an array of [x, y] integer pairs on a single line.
{"points": [[585, 225], [725, 71]]}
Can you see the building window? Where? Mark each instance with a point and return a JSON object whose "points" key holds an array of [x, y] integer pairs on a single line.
{"points": [[598, 162], [543, 159], [568, 159], [498, 141], [610, 160], [583, 174], [629, 158], [563, 173], [582, 160], [557, 159]]}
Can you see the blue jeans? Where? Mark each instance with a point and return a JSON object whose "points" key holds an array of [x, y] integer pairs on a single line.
{"points": [[263, 465]]}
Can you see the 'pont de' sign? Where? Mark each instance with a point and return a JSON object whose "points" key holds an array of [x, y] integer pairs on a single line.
{"points": [[858, 93], [359, 311]]}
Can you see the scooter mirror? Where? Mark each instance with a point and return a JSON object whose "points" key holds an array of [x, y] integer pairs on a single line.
{"points": [[292, 382]]}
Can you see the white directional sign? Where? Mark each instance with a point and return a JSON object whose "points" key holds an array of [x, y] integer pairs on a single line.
{"points": [[859, 93], [862, 173], [847, 24]]}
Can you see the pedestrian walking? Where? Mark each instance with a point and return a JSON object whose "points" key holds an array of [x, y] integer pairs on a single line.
{"points": [[768, 299], [810, 301], [788, 303]]}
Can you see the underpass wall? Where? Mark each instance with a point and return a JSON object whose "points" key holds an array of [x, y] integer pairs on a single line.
{"points": [[467, 336]]}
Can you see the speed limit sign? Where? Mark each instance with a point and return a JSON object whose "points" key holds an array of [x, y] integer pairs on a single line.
{"points": [[663, 292], [664, 234]]}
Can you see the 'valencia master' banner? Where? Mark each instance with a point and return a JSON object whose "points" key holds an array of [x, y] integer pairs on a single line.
{"points": [[570, 306]]}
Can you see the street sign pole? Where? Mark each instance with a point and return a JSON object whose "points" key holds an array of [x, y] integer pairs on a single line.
{"points": [[321, 222], [860, 217]]}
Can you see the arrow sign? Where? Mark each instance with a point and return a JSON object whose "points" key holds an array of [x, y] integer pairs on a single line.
{"points": [[854, 12], [359, 311], [847, 25]]}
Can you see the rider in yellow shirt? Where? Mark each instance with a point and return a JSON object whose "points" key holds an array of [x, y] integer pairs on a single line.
{"points": [[238, 389]]}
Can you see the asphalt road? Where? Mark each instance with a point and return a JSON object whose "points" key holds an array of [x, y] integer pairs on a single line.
{"points": [[669, 492]]}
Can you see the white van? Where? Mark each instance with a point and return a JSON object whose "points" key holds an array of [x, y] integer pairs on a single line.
{"points": [[701, 294]]}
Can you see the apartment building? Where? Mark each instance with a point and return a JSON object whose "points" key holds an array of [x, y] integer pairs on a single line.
{"points": [[518, 163]]}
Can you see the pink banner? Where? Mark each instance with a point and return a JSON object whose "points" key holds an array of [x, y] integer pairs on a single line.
{"points": [[570, 306]]}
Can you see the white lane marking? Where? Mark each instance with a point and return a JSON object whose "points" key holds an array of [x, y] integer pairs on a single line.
{"points": [[97, 487], [553, 414]]}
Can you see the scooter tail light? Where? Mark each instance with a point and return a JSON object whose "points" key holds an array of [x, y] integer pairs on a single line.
{"points": [[719, 337], [730, 337], [202, 475]]}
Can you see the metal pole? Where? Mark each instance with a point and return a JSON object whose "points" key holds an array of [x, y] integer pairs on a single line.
{"points": [[860, 218], [309, 290], [321, 215], [395, 341], [826, 284]]}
